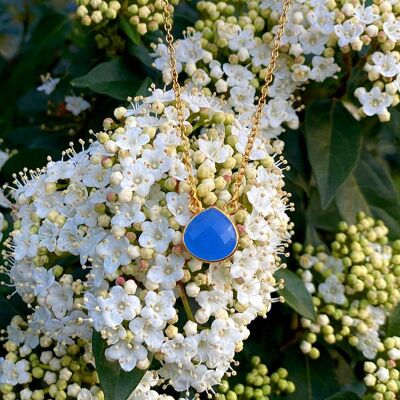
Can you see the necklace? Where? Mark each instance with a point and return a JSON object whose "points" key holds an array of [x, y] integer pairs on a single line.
{"points": [[211, 236]]}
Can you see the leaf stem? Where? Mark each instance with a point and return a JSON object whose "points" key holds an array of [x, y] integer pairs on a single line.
{"points": [[185, 302]]}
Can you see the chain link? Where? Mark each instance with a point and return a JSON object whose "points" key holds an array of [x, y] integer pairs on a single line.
{"points": [[233, 204], [194, 204]]}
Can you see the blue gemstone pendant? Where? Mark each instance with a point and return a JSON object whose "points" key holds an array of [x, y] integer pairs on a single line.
{"points": [[211, 236]]}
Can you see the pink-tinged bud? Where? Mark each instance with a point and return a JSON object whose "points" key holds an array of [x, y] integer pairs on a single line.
{"points": [[228, 177], [241, 229], [111, 197], [177, 249], [391, 363], [143, 265], [107, 162], [120, 281], [131, 236], [239, 281]]}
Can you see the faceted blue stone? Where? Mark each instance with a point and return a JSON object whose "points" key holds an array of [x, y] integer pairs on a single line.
{"points": [[210, 236]]}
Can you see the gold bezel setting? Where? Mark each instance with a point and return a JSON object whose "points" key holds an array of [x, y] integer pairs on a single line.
{"points": [[233, 224]]}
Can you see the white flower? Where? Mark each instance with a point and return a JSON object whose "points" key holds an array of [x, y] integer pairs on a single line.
{"points": [[278, 111], [145, 331], [119, 307], [348, 32], [167, 270], [159, 307], [214, 300], [392, 28], [14, 374], [189, 49], [385, 64], [157, 161], [313, 41], [321, 18], [364, 14], [76, 104], [178, 205], [260, 55], [374, 102], [114, 253], [257, 227], [242, 98], [369, 343], [60, 299], [156, 235], [323, 68], [133, 140], [228, 31], [242, 39], [136, 176], [127, 354], [237, 75], [180, 349], [332, 290], [48, 85], [128, 214], [215, 150]]}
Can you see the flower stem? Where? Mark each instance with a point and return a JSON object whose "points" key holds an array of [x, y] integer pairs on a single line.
{"points": [[185, 302]]}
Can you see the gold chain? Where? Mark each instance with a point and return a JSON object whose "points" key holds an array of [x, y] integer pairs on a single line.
{"points": [[233, 204]]}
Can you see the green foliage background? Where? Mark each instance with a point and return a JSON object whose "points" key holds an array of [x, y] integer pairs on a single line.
{"points": [[339, 166]]}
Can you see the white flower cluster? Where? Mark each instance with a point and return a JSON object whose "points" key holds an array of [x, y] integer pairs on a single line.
{"points": [[382, 375], [228, 49], [98, 240], [66, 371], [4, 202], [354, 288], [52, 370], [145, 15]]}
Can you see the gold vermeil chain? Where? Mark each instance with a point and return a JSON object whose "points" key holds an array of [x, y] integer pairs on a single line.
{"points": [[233, 204]]}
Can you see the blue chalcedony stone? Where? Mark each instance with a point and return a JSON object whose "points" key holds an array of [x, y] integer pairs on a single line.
{"points": [[210, 235]]}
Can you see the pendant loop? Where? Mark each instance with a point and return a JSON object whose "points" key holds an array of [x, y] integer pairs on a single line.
{"points": [[231, 207]]}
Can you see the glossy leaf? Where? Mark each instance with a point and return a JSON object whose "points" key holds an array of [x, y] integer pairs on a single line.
{"points": [[130, 31], [393, 323], [370, 189], [314, 379], [115, 382], [333, 144], [344, 396], [321, 219], [296, 295], [9, 307], [112, 78]]}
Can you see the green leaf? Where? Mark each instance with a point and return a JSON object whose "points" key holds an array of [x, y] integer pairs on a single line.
{"points": [[344, 396], [314, 379], [39, 53], [115, 382], [10, 307], [112, 78], [295, 153], [296, 294], [370, 189], [333, 144], [322, 219], [393, 323], [129, 30]]}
